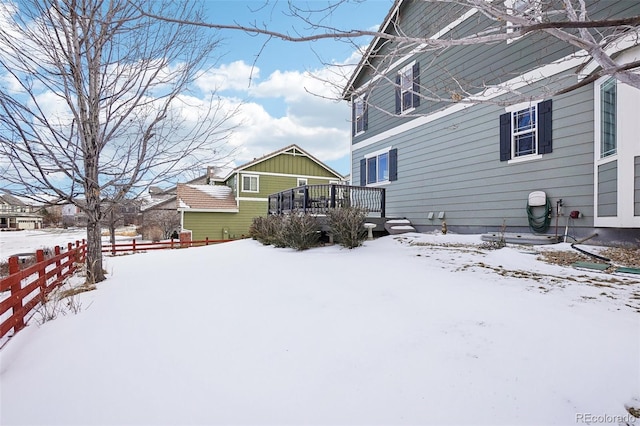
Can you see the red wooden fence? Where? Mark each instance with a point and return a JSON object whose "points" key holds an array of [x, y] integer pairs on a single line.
{"points": [[30, 286], [133, 246]]}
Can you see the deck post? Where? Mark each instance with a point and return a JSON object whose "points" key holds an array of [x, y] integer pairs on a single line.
{"points": [[333, 196], [305, 198]]}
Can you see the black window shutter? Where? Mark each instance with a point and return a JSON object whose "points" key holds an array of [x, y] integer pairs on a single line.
{"points": [[353, 117], [365, 113], [363, 172], [416, 85], [505, 136], [393, 164], [544, 127], [398, 96]]}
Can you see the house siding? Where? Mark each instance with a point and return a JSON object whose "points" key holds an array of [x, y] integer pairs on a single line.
{"points": [[477, 65], [452, 165], [636, 198], [213, 224], [291, 164], [608, 189], [448, 152]]}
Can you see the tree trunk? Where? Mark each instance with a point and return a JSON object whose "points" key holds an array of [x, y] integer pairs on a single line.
{"points": [[95, 273]]}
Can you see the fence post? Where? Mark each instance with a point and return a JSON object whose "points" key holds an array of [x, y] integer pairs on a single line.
{"points": [[16, 286], [56, 252], [206, 241], [72, 257], [134, 245], [42, 282]]}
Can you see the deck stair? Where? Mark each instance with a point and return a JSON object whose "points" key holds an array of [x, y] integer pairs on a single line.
{"points": [[399, 226]]}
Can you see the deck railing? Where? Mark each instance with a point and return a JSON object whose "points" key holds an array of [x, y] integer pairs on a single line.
{"points": [[318, 199]]}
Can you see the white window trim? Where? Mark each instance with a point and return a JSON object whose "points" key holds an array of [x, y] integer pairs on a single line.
{"points": [[628, 127], [242, 176], [597, 124], [401, 71], [376, 154], [518, 107], [355, 101]]}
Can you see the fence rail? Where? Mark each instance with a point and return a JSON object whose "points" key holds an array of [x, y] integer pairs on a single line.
{"points": [[133, 246], [318, 199], [30, 286]]}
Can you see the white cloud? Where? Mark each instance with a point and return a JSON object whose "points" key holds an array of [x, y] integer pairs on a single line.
{"points": [[234, 76], [315, 118]]}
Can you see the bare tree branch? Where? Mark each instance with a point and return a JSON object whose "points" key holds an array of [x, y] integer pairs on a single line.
{"points": [[100, 105]]}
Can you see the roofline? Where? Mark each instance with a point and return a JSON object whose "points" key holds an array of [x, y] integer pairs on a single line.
{"points": [[346, 93]]}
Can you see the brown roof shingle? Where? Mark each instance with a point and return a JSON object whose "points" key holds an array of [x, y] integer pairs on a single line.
{"points": [[206, 197]]}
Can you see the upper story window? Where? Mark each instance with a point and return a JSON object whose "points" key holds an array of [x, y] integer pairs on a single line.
{"points": [[408, 88], [525, 131], [608, 122], [250, 183], [360, 115]]}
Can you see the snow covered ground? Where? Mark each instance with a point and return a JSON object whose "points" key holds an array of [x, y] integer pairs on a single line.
{"points": [[412, 329]]}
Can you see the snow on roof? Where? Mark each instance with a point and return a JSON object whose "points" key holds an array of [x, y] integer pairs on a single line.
{"points": [[216, 191]]}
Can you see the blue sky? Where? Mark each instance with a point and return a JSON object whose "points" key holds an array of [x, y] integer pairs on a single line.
{"points": [[278, 110]]}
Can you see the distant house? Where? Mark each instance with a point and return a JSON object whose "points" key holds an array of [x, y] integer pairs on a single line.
{"points": [[225, 207], [159, 216], [476, 161], [16, 214]]}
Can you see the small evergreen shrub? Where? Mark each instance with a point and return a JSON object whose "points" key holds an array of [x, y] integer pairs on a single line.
{"points": [[300, 231], [347, 226]]}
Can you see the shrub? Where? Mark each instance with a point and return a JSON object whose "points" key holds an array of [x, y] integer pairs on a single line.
{"points": [[300, 231], [347, 226], [267, 230]]}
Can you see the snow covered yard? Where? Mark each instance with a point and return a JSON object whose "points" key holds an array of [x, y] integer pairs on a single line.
{"points": [[412, 329]]}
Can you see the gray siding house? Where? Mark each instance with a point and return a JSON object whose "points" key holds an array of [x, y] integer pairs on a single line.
{"points": [[471, 154]]}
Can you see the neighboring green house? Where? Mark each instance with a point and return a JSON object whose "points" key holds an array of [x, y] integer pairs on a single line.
{"points": [[225, 208]]}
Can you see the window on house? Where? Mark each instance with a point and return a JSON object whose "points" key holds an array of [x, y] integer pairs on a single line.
{"points": [[250, 183], [525, 131], [608, 124], [360, 115], [408, 88], [379, 166], [301, 182]]}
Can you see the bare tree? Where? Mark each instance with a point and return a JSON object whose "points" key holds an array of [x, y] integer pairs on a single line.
{"points": [[568, 22], [95, 102]]}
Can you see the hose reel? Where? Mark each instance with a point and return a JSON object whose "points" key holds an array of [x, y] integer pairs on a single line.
{"points": [[539, 222]]}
